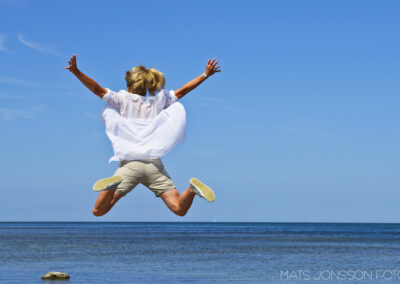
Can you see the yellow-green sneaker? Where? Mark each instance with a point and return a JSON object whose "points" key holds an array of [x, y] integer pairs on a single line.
{"points": [[202, 190], [108, 184]]}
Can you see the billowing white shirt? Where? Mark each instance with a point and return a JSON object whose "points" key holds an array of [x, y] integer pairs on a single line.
{"points": [[143, 127]]}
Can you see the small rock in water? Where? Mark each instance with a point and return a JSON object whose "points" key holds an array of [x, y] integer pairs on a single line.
{"points": [[55, 276]]}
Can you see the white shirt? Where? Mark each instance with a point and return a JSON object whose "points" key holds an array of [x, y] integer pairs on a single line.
{"points": [[136, 106], [143, 127]]}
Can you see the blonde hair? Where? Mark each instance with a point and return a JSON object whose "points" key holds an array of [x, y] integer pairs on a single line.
{"points": [[141, 80]]}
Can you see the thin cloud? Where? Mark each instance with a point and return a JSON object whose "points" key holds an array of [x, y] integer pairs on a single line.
{"points": [[221, 105], [92, 116], [8, 114], [6, 96], [292, 130], [204, 152], [295, 130], [16, 81], [38, 46], [213, 99], [235, 109], [3, 44], [95, 135]]}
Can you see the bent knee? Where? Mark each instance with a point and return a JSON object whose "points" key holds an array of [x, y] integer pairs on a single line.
{"points": [[180, 212], [177, 210], [98, 212]]}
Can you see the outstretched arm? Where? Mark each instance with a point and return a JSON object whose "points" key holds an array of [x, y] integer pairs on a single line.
{"points": [[211, 69], [88, 82]]}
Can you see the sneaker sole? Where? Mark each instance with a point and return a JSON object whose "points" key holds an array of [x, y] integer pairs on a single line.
{"points": [[207, 192], [107, 183]]}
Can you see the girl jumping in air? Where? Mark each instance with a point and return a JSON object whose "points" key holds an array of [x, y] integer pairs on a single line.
{"points": [[142, 129]]}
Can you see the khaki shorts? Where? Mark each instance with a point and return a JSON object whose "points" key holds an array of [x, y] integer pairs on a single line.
{"points": [[150, 172]]}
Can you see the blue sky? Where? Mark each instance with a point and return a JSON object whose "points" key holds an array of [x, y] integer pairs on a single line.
{"points": [[302, 125]]}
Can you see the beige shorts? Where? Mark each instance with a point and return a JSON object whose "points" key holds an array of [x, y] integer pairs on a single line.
{"points": [[150, 172]]}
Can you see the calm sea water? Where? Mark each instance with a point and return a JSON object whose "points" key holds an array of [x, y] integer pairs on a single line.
{"points": [[201, 252]]}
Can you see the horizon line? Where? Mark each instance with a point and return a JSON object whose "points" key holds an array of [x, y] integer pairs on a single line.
{"points": [[211, 222]]}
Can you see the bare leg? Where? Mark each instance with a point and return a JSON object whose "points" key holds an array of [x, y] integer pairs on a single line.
{"points": [[105, 201], [178, 203]]}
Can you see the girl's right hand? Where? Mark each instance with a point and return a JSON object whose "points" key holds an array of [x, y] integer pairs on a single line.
{"points": [[212, 67], [73, 67]]}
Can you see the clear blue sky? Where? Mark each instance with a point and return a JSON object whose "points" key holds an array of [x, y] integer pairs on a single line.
{"points": [[301, 125]]}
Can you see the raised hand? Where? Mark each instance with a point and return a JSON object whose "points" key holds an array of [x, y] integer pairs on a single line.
{"points": [[212, 67], [72, 64], [87, 81]]}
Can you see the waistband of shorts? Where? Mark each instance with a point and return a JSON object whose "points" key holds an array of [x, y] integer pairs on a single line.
{"points": [[124, 162]]}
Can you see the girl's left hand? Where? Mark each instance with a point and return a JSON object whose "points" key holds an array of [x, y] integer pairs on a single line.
{"points": [[212, 67]]}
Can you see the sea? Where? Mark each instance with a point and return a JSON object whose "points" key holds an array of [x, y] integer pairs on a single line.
{"points": [[183, 252]]}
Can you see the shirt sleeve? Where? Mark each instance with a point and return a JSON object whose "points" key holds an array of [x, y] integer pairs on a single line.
{"points": [[170, 98], [113, 98]]}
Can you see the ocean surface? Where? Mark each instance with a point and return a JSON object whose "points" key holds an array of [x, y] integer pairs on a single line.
{"points": [[201, 252]]}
